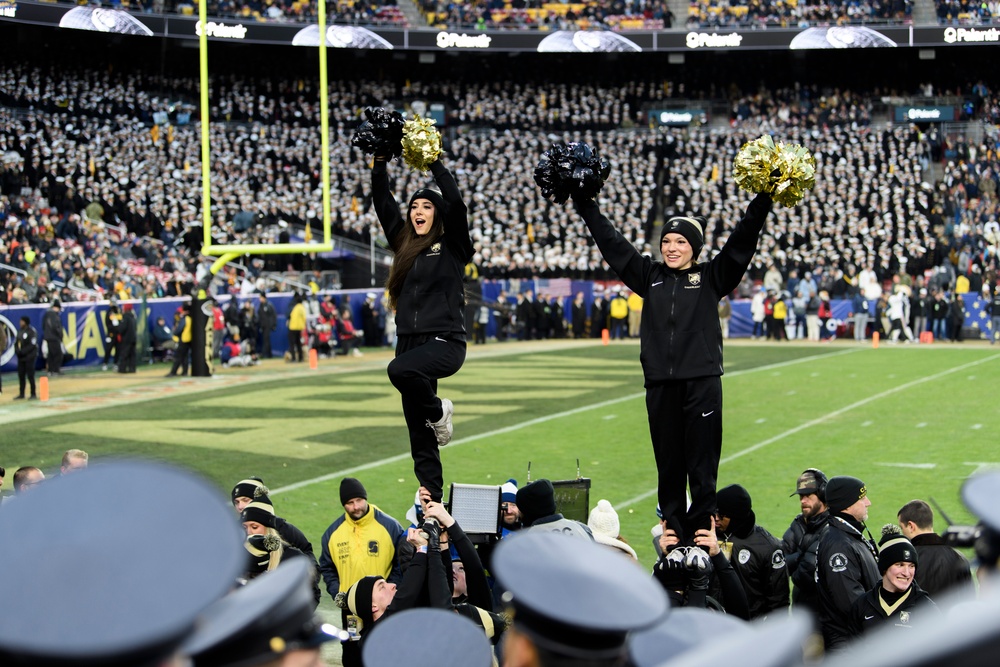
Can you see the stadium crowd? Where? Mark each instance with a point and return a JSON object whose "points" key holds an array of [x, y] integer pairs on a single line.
{"points": [[96, 198]]}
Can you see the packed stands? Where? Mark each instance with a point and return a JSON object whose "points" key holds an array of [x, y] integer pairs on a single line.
{"points": [[94, 190]]}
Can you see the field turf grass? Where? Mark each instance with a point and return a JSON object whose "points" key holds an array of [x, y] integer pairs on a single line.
{"points": [[912, 421]]}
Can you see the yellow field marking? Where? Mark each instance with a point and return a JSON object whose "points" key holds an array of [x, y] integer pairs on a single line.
{"points": [[292, 438]]}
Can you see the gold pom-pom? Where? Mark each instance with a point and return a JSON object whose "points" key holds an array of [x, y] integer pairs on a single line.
{"points": [[785, 171], [421, 143]]}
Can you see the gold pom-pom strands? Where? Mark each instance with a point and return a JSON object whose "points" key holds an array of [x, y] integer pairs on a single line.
{"points": [[785, 171], [421, 143]]}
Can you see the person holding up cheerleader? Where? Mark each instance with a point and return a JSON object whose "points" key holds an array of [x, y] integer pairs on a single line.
{"points": [[432, 247], [681, 348]]}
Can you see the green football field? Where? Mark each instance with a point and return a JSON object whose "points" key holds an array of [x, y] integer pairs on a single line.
{"points": [[912, 421]]}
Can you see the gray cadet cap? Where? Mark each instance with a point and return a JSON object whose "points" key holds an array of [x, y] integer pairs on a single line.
{"points": [[574, 597], [684, 629], [781, 642], [459, 642], [271, 615], [980, 493], [89, 577]]}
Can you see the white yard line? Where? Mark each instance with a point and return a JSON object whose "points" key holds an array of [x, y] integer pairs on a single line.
{"points": [[531, 422], [819, 420]]}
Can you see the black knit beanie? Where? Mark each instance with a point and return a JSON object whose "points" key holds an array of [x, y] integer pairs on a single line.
{"points": [[260, 510], [734, 502], [536, 500], [690, 227], [251, 487], [433, 196], [351, 488], [359, 599], [844, 491], [895, 549]]}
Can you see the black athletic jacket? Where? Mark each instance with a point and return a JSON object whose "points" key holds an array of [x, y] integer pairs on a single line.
{"points": [[845, 570], [679, 333], [915, 611], [433, 298]]}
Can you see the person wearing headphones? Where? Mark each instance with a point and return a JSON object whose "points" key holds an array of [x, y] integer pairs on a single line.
{"points": [[801, 540]]}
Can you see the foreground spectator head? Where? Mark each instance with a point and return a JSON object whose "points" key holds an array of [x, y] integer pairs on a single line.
{"points": [[353, 497], [848, 495], [391, 643], [683, 630], [258, 516], [536, 501], [270, 621], [571, 600], [27, 478], [246, 490], [73, 460], [85, 590]]}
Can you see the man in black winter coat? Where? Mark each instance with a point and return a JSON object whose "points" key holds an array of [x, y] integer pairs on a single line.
{"points": [[26, 349], [801, 540], [846, 567], [52, 334], [942, 569], [756, 555], [267, 323]]}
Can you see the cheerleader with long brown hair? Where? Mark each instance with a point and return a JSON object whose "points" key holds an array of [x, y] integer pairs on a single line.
{"points": [[425, 287]]}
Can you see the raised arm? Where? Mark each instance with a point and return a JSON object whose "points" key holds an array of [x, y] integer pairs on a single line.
{"points": [[727, 269], [456, 229], [386, 206], [617, 251]]}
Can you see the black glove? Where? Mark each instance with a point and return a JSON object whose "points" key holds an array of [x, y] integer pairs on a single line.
{"points": [[670, 570], [432, 530]]}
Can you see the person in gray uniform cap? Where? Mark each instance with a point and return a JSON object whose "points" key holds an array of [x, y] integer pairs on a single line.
{"points": [[96, 584], [269, 622], [462, 643], [573, 601], [683, 630]]}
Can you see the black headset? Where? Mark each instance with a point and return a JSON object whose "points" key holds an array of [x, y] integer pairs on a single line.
{"points": [[821, 480]]}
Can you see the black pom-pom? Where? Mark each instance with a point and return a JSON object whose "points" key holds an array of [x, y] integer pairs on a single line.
{"points": [[571, 170], [381, 134]]}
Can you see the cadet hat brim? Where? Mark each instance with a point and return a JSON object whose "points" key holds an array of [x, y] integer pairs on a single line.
{"points": [[392, 641], [967, 634], [80, 557], [574, 596], [980, 495], [271, 615], [777, 643], [684, 629]]}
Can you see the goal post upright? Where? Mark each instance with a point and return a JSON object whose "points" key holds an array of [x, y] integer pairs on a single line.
{"points": [[201, 301]]}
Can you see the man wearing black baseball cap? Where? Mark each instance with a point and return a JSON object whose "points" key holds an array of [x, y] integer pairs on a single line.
{"points": [[846, 561], [801, 540]]}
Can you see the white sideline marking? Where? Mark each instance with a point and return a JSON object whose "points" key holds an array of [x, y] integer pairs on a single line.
{"points": [[540, 420], [918, 466], [819, 420]]}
